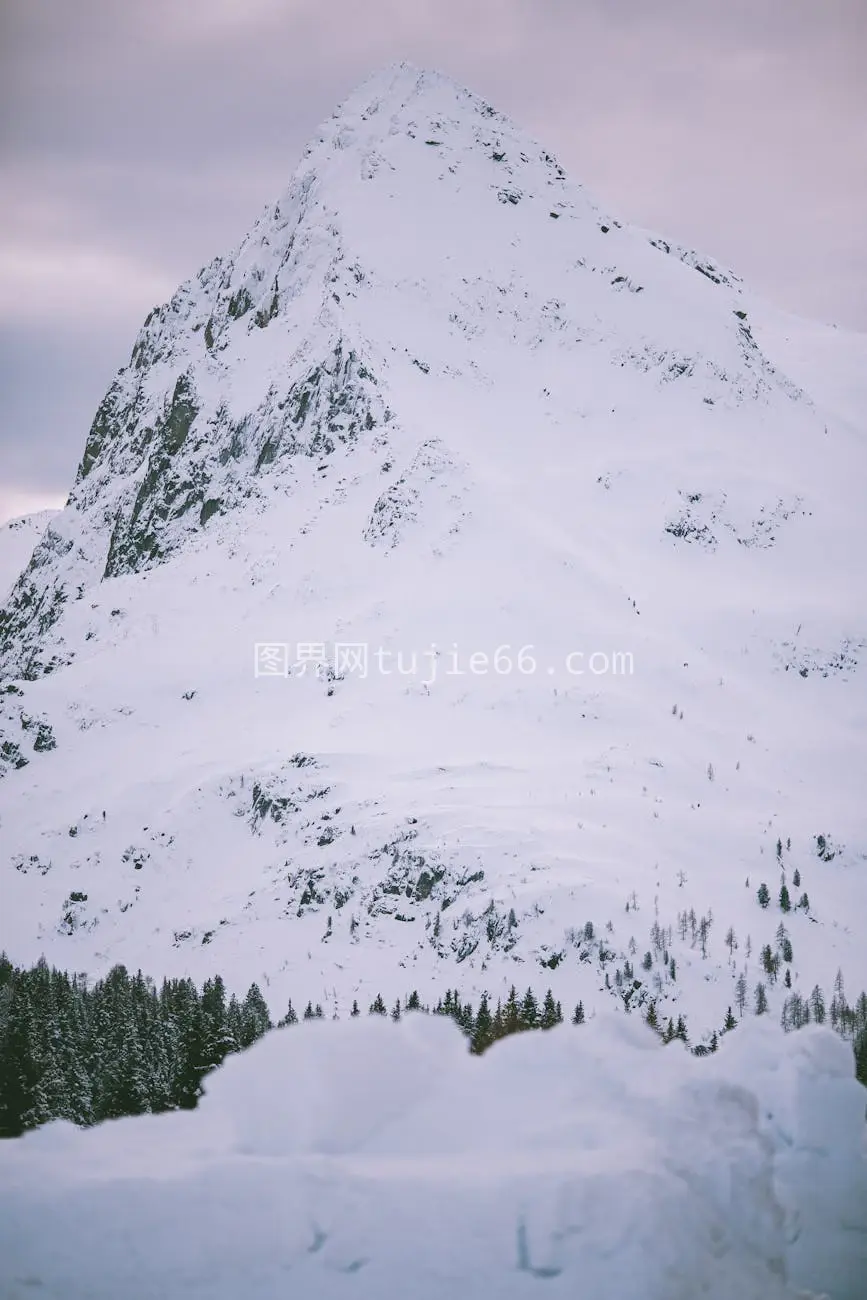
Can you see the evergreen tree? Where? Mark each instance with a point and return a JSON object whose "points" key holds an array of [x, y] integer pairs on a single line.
{"points": [[550, 1016], [529, 1015], [729, 1023], [763, 895], [578, 1016], [761, 999], [19, 1068], [511, 1013], [785, 901], [355, 1009], [290, 1018], [482, 1036], [255, 1019], [189, 1045], [465, 1018], [377, 1006], [218, 1039], [817, 1006]]}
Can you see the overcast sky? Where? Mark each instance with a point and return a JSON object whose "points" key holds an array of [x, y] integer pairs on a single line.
{"points": [[140, 139]]}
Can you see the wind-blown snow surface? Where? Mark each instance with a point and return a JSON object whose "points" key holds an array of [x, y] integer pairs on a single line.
{"points": [[438, 396], [364, 1159]]}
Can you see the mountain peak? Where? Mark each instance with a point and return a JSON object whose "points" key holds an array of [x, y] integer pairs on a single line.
{"points": [[422, 233], [438, 405]]}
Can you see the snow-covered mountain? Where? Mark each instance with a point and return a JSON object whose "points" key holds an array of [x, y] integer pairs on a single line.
{"points": [[440, 404]]}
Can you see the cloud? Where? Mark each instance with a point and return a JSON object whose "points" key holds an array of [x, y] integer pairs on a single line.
{"points": [[73, 283]]}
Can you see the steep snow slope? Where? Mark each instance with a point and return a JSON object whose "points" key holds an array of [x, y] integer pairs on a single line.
{"points": [[587, 1158], [18, 538], [438, 397]]}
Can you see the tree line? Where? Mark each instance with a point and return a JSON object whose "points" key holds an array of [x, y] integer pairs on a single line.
{"points": [[121, 1046]]}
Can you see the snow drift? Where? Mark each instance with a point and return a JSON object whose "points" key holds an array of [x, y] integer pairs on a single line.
{"points": [[365, 1159]]}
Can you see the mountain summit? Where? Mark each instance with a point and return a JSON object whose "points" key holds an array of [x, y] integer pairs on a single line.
{"points": [[421, 229], [538, 475]]}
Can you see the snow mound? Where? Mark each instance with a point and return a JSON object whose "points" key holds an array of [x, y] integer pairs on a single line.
{"points": [[368, 1159]]}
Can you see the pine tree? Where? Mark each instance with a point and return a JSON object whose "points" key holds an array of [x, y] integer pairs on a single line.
{"points": [[796, 878], [729, 1023], [578, 1016], [395, 1011], [377, 1007], [529, 1015], [859, 1039], [741, 993], [817, 1006], [19, 1071], [218, 1038], [511, 1013], [255, 1019], [549, 1012], [763, 895], [355, 1009], [290, 1018], [785, 901], [482, 1035], [761, 1005]]}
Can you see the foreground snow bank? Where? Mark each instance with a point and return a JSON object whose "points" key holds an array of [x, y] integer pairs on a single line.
{"points": [[368, 1159]]}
